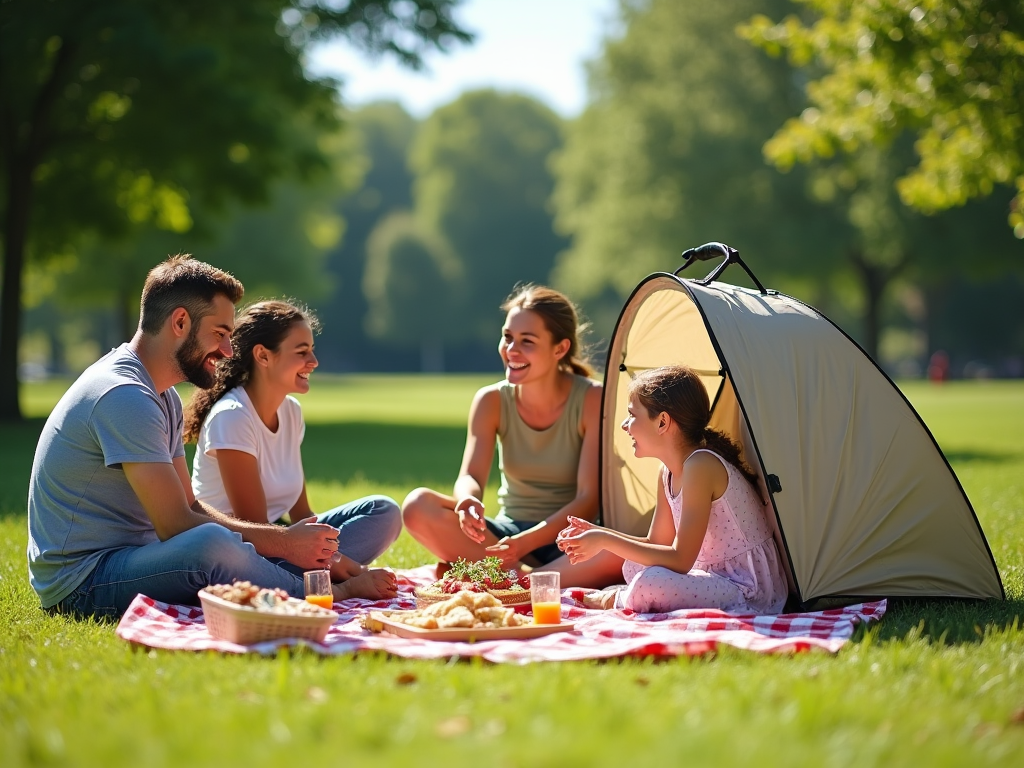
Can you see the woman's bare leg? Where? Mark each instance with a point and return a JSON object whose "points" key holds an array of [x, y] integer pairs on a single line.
{"points": [[600, 571], [430, 518]]}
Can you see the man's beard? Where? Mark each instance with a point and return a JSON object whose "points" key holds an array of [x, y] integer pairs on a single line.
{"points": [[190, 358]]}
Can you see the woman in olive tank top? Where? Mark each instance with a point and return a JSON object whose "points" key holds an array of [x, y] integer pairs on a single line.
{"points": [[544, 419]]}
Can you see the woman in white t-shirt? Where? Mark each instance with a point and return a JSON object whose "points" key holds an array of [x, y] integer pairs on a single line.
{"points": [[249, 434]]}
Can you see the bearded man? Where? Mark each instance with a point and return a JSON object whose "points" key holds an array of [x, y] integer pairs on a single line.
{"points": [[111, 512]]}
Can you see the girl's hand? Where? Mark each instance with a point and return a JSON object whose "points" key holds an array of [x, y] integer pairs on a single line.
{"points": [[471, 518], [583, 546], [576, 526], [510, 549]]}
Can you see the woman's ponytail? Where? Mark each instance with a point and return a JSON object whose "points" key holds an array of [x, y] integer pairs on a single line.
{"points": [[231, 372], [561, 319]]}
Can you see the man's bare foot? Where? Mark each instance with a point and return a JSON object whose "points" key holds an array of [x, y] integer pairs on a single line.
{"points": [[601, 600], [371, 584]]}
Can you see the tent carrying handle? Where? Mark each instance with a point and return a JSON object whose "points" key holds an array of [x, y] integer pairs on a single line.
{"points": [[712, 250]]}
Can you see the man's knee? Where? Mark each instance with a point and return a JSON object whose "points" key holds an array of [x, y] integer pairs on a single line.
{"points": [[211, 543]]}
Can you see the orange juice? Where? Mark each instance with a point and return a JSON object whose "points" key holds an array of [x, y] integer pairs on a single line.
{"points": [[324, 601], [547, 613]]}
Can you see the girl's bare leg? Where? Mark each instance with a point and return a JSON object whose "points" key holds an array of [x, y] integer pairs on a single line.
{"points": [[430, 518], [598, 572]]}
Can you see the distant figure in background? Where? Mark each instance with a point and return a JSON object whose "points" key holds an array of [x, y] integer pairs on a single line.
{"points": [[249, 432], [544, 418], [709, 545], [938, 366], [110, 510]]}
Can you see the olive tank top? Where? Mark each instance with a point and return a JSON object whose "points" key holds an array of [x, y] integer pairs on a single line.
{"points": [[539, 466]]}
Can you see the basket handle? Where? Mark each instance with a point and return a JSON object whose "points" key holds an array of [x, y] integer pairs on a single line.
{"points": [[713, 250]]}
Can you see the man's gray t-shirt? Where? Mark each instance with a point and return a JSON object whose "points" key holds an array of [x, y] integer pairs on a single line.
{"points": [[80, 504]]}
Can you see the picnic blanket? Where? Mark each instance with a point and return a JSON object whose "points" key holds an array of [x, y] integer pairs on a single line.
{"points": [[597, 635]]}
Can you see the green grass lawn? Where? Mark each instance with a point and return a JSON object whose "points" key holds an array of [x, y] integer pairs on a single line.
{"points": [[934, 684]]}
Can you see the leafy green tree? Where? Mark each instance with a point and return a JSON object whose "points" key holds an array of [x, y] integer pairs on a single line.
{"points": [[668, 154], [278, 247], [383, 133], [118, 112], [950, 71], [410, 279], [482, 183]]}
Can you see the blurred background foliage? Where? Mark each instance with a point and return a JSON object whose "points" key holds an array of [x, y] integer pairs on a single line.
{"points": [[864, 157]]}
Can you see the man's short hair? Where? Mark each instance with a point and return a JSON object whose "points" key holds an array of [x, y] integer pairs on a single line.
{"points": [[181, 281]]}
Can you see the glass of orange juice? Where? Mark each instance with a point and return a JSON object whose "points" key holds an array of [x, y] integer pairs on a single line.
{"points": [[546, 597], [318, 588]]}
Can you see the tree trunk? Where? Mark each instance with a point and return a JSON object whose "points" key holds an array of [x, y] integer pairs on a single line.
{"points": [[875, 279], [124, 316], [22, 160], [19, 189], [432, 356]]}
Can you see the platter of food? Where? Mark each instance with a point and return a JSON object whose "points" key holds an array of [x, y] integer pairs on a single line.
{"points": [[483, 576], [466, 617], [244, 613]]}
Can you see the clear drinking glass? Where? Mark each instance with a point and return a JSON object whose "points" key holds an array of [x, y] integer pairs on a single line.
{"points": [[546, 596], [318, 588]]}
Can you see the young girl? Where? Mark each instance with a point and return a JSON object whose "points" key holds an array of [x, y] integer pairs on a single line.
{"points": [[544, 418], [248, 461], [709, 545]]}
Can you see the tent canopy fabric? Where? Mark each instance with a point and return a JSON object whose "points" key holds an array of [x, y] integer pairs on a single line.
{"points": [[864, 503]]}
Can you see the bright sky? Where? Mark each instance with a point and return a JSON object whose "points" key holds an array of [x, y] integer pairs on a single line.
{"points": [[537, 47]]}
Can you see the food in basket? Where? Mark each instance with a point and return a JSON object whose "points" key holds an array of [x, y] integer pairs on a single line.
{"points": [[482, 576], [475, 610], [248, 595]]}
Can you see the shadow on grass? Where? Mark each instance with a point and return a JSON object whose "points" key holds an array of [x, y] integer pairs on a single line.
{"points": [[971, 455], [387, 454], [17, 447], [949, 622]]}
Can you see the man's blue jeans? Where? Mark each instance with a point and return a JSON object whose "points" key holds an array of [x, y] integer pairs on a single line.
{"points": [[173, 571]]}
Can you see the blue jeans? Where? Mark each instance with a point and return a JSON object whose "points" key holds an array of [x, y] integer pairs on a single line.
{"points": [[174, 571], [504, 526]]}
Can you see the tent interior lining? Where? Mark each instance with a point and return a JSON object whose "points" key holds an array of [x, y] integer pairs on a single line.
{"points": [[653, 319]]}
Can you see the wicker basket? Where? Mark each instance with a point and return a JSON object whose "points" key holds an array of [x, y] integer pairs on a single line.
{"points": [[426, 596], [241, 624]]}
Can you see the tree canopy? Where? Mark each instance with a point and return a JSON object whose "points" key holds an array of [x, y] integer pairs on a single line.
{"points": [[410, 279], [668, 154], [123, 112], [482, 183], [950, 71], [382, 133]]}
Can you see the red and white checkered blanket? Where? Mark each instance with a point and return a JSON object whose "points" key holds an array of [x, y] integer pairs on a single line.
{"points": [[597, 635]]}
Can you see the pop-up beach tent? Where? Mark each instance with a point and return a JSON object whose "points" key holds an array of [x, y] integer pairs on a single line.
{"points": [[862, 502]]}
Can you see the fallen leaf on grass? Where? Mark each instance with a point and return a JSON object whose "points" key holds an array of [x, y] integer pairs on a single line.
{"points": [[316, 694], [406, 678], [643, 682], [453, 726], [1017, 718]]}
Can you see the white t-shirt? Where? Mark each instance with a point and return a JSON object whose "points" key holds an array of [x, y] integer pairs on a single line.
{"points": [[234, 424]]}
